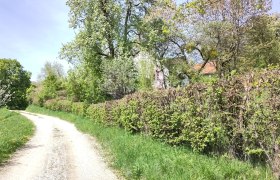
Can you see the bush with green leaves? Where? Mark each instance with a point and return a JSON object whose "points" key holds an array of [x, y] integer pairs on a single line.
{"points": [[5, 94], [237, 117], [79, 108], [59, 105], [17, 81]]}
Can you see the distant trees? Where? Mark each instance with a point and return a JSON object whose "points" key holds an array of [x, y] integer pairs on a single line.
{"points": [[14, 84], [51, 81]]}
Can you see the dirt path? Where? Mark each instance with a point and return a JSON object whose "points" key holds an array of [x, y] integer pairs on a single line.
{"points": [[58, 151]]}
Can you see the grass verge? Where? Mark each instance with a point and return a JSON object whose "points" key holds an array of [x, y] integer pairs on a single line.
{"points": [[140, 157], [15, 130]]}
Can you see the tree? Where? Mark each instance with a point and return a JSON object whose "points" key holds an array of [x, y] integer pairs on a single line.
{"points": [[206, 30], [119, 77], [51, 68], [82, 86], [51, 80], [17, 81], [226, 25], [108, 31], [262, 43], [5, 95]]}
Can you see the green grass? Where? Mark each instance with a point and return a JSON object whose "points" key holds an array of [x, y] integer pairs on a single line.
{"points": [[15, 130], [140, 157]]}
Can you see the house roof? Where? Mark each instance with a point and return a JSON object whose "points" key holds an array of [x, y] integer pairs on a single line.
{"points": [[209, 68]]}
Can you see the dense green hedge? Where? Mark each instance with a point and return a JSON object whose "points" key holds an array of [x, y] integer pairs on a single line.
{"points": [[238, 116]]}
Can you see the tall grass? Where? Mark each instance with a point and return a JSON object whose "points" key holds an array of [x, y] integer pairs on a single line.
{"points": [[15, 130], [140, 157]]}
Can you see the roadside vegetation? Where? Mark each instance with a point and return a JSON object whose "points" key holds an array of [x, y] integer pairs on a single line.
{"points": [[141, 157], [15, 130], [200, 75], [14, 83]]}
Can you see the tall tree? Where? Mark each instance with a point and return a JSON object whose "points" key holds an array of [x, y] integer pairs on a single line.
{"points": [[17, 80], [108, 30], [226, 22]]}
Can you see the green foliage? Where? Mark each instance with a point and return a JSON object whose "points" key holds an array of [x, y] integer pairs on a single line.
{"points": [[140, 157], [106, 43], [59, 105], [96, 112], [179, 70], [14, 132], [214, 34], [119, 76], [5, 95], [146, 74], [129, 116], [50, 86], [237, 116], [82, 85], [17, 79], [79, 108], [263, 48]]}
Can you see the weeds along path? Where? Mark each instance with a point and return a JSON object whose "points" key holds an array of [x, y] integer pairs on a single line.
{"points": [[58, 151]]}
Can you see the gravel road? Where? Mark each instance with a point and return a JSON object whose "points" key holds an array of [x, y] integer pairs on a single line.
{"points": [[58, 151]]}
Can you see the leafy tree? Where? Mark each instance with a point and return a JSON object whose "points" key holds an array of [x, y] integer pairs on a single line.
{"points": [[263, 45], [206, 30], [83, 86], [107, 32], [225, 27], [17, 81], [51, 68], [119, 77], [5, 95], [51, 81]]}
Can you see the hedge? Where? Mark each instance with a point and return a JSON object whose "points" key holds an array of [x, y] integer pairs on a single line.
{"points": [[238, 116]]}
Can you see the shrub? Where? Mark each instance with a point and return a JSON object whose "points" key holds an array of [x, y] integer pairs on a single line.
{"points": [[96, 112], [64, 105], [238, 116], [51, 104], [79, 108]]}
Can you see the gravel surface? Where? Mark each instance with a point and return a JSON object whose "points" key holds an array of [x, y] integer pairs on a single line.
{"points": [[58, 151]]}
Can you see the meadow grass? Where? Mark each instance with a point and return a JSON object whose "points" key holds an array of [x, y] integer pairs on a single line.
{"points": [[140, 157], [15, 130]]}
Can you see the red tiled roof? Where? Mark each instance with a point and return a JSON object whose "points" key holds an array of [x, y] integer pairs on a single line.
{"points": [[209, 68]]}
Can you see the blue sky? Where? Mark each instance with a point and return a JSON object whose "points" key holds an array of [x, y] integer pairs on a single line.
{"points": [[33, 31]]}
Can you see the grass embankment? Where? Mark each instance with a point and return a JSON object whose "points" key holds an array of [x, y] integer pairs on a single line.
{"points": [[15, 130], [140, 157]]}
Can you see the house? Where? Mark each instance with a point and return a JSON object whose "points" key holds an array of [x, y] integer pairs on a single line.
{"points": [[210, 68], [163, 71]]}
